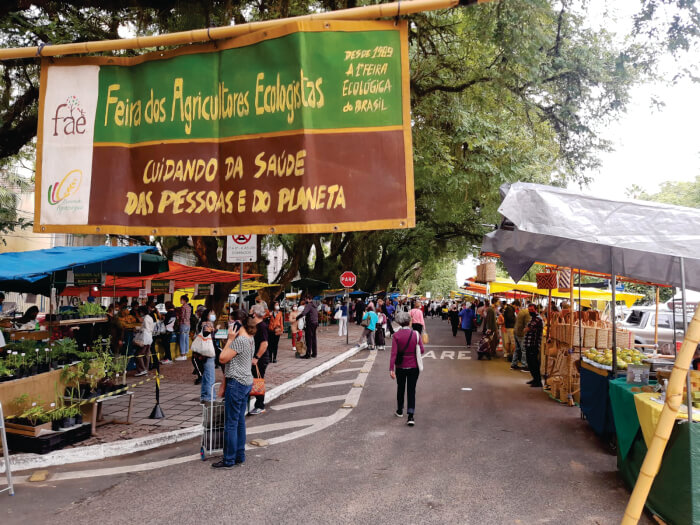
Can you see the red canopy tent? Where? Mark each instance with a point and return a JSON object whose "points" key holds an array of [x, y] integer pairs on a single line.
{"points": [[184, 277]]}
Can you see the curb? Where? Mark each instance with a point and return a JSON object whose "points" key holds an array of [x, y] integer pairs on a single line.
{"points": [[20, 462]]}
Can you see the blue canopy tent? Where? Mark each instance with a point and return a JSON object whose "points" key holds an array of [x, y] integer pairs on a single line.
{"points": [[37, 271], [359, 293]]}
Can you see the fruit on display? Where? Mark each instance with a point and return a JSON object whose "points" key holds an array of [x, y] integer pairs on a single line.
{"points": [[625, 357]]}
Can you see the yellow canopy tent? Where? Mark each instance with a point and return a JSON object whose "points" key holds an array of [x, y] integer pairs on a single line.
{"points": [[587, 294]]}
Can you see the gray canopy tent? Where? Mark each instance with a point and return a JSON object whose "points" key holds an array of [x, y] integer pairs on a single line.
{"points": [[647, 241]]}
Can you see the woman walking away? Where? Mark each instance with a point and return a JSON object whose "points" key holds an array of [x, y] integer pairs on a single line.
{"points": [[276, 327], [403, 365], [417, 320], [238, 357], [369, 322], [467, 320]]}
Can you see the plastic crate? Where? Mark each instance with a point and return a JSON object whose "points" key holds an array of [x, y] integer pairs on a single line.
{"points": [[49, 442]]}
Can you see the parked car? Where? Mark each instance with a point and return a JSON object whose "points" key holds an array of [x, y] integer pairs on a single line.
{"points": [[641, 320]]}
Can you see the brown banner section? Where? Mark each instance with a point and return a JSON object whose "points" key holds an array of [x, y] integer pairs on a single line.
{"points": [[327, 179]]}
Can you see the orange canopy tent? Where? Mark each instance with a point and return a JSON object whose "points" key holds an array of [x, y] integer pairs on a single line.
{"points": [[184, 277]]}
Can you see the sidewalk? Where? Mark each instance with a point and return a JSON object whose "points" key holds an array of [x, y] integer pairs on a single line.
{"points": [[179, 396]]}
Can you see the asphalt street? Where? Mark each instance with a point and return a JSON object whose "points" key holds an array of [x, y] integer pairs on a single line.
{"points": [[486, 449]]}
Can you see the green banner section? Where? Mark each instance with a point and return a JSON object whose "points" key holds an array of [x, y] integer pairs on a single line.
{"points": [[304, 80]]}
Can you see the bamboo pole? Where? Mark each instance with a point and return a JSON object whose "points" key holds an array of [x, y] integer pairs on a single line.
{"points": [[217, 33], [674, 394]]}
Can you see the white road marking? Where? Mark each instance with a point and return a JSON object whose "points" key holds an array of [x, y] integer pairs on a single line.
{"points": [[274, 427], [448, 354], [333, 383], [352, 398], [347, 370], [446, 346], [112, 471], [467, 389], [308, 402]]}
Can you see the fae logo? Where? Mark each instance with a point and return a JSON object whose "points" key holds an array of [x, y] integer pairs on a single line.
{"points": [[69, 118], [67, 187]]}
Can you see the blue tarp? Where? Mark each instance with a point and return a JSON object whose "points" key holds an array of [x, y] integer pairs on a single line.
{"points": [[31, 271], [358, 293]]}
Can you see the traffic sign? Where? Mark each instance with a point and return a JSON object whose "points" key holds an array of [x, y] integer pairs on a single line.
{"points": [[241, 248], [348, 279]]}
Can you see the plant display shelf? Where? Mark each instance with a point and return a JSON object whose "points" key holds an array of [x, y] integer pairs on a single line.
{"points": [[86, 320], [96, 417]]}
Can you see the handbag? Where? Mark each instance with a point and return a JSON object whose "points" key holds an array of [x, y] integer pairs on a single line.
{"points": [[258, 388], [159, 328], [338, 315], [365, 321], [419, 356], [426, 339], [203, 346]]}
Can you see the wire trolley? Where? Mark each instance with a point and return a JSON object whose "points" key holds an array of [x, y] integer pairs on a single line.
{"points": [[213, 418]]}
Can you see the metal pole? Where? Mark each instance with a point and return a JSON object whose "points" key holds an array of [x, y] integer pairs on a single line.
{"points": [[6, 453], [675, 339], [240, 290], [347, 314], [613, 283], [656, 320], [580, 315], [689, 398]]}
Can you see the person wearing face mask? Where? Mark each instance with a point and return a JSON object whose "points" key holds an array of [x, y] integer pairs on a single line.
{"points": [[276, 329], [206, 365]]}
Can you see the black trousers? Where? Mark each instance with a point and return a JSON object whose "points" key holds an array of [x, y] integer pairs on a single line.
{"points": [[404, 376], [455, 327], [389, 326], [274, 342], [533, 363], [310, 335], [262, 366], [468, 336], [418, 327]]}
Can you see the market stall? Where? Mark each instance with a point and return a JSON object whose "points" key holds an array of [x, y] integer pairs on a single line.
{"points": [[45, 386], [641, 240], [675, 494]]}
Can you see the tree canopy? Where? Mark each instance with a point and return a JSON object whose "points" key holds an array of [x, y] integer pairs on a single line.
{"points": [[514, 90]]}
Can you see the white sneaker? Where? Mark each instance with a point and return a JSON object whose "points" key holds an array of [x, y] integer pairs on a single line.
{"points": [[181, 358], [166, 362], [139, 374]]}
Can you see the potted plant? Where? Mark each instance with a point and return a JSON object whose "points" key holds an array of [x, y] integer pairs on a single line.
{"points": [[31, 421]]}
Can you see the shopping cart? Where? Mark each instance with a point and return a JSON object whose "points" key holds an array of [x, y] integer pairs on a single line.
{"points": [[213, 418], [6, 454]]}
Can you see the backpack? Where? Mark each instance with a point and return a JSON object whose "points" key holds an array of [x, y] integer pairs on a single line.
{"points": [[509, 316]]}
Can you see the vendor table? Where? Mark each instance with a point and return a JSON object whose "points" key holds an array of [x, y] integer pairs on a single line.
{"points": [[595, 400], [87, 320], [33, 335], [96, 418], [675, 494]]}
